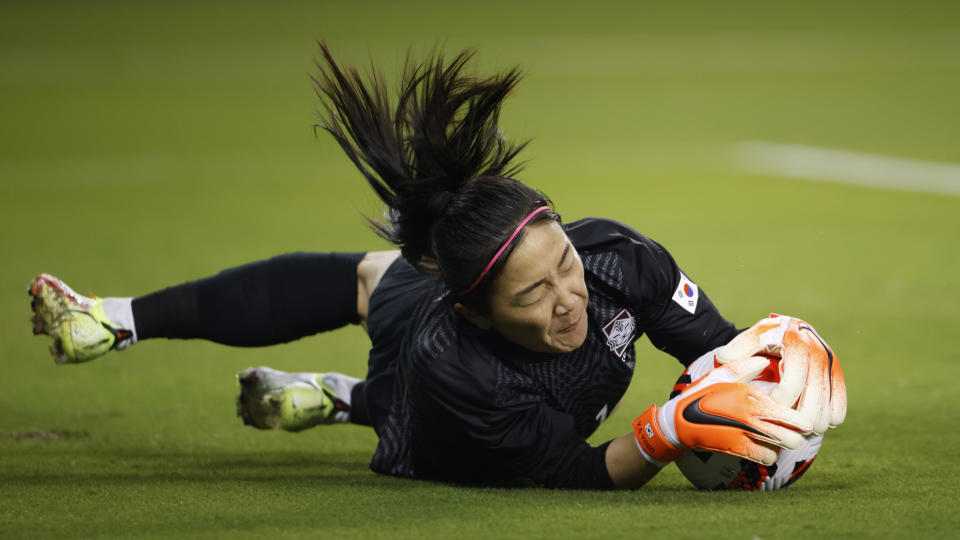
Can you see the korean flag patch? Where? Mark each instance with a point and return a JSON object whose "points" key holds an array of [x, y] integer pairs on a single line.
{"points": [[687, 294]]}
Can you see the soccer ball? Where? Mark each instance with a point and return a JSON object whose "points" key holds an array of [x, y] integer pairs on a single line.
{"points": [[717, 471]]}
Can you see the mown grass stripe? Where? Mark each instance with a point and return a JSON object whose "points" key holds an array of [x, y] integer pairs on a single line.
{"points": [[846, 167]]}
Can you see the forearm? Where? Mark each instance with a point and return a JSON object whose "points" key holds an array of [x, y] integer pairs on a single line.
{"points": [[626, 465]]}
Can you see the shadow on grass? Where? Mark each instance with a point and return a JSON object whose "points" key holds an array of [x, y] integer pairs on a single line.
{"points": [[113, 492], [141, 467], [48, 464]]}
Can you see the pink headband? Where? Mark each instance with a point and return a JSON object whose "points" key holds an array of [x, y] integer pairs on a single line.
{"points": [[502, 249]]}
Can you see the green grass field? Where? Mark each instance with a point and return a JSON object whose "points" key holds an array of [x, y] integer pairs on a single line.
{"points": [[144, 144]]}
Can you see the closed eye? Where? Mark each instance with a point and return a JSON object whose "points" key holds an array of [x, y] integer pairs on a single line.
{"points": [[570, 266], [528, 304], [563, 258], [563, 270]]}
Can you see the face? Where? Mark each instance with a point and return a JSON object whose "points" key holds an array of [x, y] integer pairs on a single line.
{"points": [[539, 299]]}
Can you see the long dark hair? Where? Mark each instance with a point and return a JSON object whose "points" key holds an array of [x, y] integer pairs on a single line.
{"points": [[437, 159]]}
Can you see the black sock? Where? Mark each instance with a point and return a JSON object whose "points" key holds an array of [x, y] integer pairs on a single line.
{"points": [[262, 303], [358, 405]]}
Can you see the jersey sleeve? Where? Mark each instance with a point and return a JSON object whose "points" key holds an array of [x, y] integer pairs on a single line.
{"points": [[681, 320], [464, 432], [676, 314], [538, 443]]}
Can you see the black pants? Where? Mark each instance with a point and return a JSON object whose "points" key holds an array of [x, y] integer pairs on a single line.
{"points": [[258, 304]]}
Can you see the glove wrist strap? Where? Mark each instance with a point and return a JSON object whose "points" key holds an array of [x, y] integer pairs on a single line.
{"points": [[651, 440]]}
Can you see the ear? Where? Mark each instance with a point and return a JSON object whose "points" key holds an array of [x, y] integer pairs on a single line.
{"points": [[481, 322], [428, 265]]}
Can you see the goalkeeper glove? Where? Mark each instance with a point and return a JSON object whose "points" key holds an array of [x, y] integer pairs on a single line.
{"points": [[721, 412], [809, 369]]}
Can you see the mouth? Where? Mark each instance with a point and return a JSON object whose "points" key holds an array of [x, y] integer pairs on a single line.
{"points": [[573, 326]]}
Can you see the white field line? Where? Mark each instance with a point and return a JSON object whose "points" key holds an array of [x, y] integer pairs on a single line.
{"points": [[843, 167]]}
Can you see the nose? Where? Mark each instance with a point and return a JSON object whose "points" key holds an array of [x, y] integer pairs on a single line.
{"points": [[566, 301]]}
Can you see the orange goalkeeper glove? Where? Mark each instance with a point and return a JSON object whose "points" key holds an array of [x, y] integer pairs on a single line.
{"points": [[809, 370], [721, 412]]}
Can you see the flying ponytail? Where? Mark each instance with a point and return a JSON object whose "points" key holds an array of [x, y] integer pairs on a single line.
{"points": [[435, 156]]}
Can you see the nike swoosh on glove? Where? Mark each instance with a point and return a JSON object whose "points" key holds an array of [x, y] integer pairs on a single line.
{"points": [[721, 412]]}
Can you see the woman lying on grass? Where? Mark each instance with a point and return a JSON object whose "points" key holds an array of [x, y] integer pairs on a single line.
{"points": [[501, 338]]}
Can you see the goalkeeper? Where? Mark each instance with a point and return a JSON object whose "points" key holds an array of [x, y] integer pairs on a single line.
{"points": [[501, 338]]}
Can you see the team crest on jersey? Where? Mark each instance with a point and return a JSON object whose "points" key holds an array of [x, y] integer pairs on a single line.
{"points": [[620, 332], [687, 294]]}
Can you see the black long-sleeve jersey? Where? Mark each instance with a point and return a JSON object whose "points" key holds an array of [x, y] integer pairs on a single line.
{"points": [[452, 402]]}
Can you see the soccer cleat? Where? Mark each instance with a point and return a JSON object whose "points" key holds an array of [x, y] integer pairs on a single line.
{"points": [[271, 399], [77, 324]]}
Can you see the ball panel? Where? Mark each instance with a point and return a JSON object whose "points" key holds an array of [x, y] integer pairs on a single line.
{"points": [[718, 471]]}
